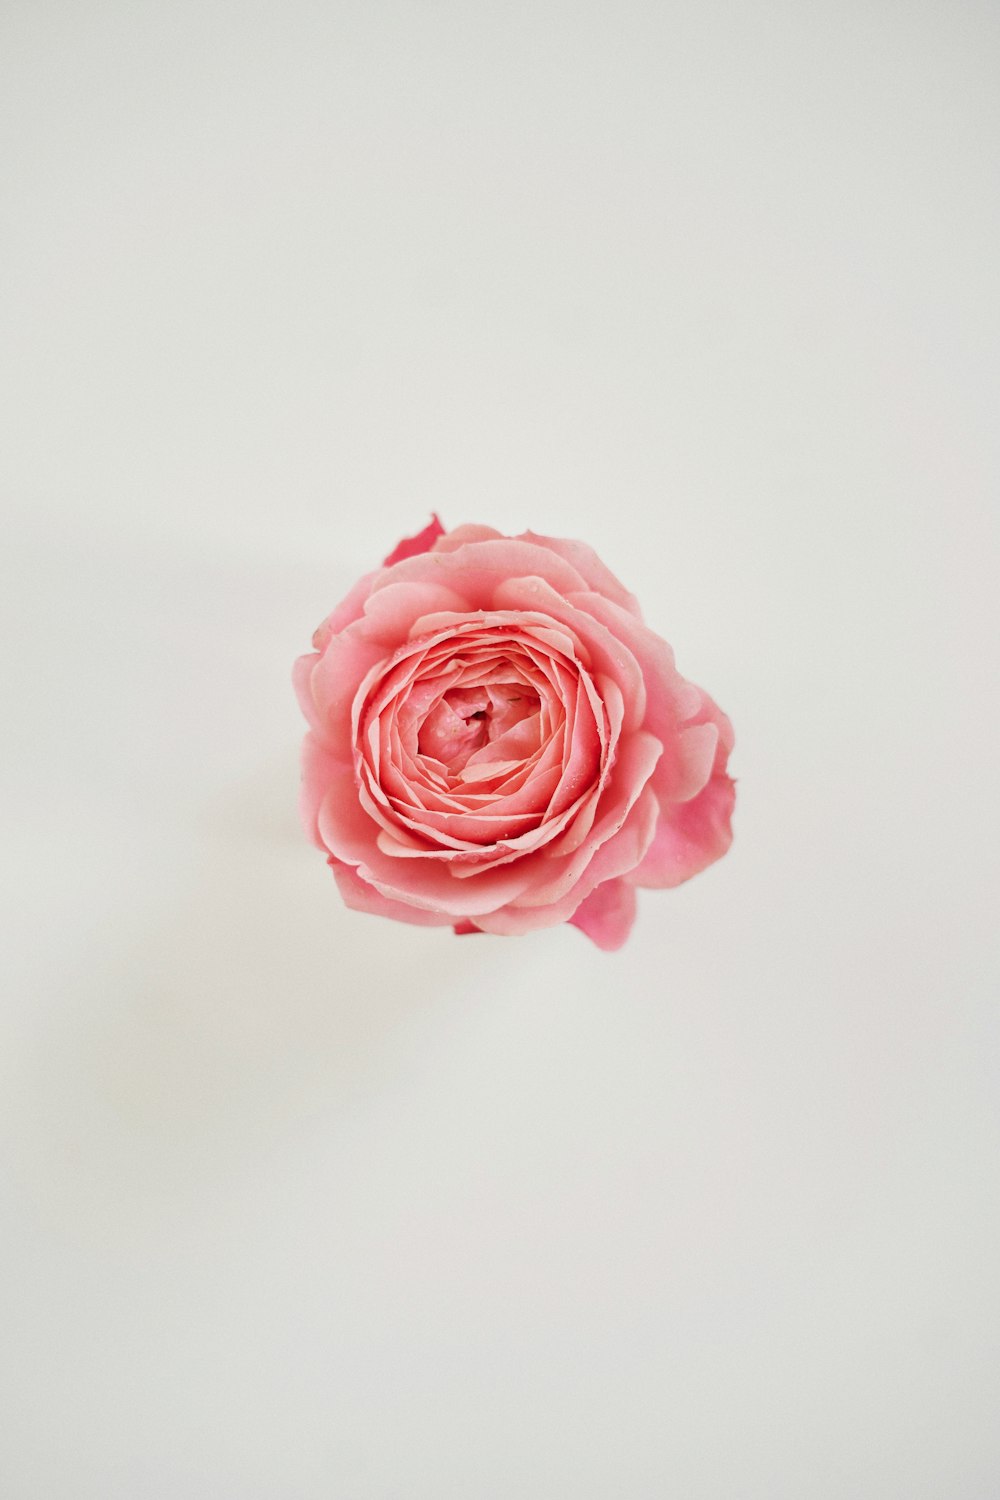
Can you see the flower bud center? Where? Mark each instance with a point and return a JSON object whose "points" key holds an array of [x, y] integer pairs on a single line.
{"points": [[468, 720]]}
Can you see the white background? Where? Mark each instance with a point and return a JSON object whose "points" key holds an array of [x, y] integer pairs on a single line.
{"points": [[301, 1205]]}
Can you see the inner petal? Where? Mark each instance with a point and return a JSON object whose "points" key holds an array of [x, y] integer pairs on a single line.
{"points": [[467, 720]]}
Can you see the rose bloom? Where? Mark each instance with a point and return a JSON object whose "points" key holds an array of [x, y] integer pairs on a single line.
{"points": [[498, 743]]}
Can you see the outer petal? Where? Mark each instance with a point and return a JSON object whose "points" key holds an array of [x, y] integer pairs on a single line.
{"points": [[476, 569], [334, 681], [391, 610], [318, 766], [360, 896], [709, 712], [459, 535], [412, 546], [697, 736], [302, 684], [351, 835], [465, 928], [689, 836], [351, 607], [576, 874], [348, 610], [618, 856], [693, 833], [585, 560], [607, 914]]}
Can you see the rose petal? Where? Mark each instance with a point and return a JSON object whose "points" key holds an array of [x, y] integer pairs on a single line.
{"points": [[349, 833], [633, 769], [360, 896], [477, 569], [390, 611], [696, 747], [460, 535], [412, 546], [689, 837], [608, 654], [607, 914], [585, 560], [318, 765], [347, 611], [616, 857]]}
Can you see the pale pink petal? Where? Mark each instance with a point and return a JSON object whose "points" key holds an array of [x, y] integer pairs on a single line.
{"points": [[709, 712], [458, 536], [336, 677], [351, 834], [637, 758], [673, 706], [617, 856], [474, 832], [347, 611], [360, 896], [318, 765], [695, 758], [477, 569], [391, 610], [302, 673], [585, 560], [492, 890], [529, 631], [582, 759]]}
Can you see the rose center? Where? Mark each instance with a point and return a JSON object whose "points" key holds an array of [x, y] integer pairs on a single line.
{"points": [[478, 725]]}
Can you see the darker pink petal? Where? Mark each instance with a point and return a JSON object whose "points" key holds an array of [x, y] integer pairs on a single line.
{"points": [[607, 914], [412, 546]]}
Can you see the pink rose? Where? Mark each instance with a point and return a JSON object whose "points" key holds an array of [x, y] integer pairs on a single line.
{"points": [[499, 743]]}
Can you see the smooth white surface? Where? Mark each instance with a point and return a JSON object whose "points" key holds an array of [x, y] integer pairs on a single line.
{"points": [[297, 1204]]}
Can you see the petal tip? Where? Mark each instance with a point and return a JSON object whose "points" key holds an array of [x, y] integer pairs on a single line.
{"points": [[606, 916], [413, 546]]}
